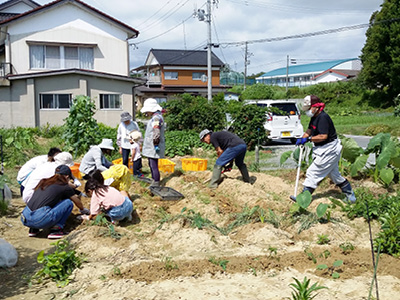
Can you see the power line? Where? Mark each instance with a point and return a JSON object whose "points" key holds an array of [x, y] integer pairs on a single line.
{"points": [[316, 33]]}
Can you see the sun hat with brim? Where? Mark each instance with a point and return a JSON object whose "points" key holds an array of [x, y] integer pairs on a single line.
{"points": [[125, 116], [150, 105], [135, 135], [309, 101], [64, 158], [106, 144], [203, 133], [64, 170]]}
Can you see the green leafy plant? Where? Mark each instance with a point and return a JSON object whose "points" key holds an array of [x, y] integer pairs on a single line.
{"points": [[102, 221], [80, 128], [59, 265], [183, 142], [169, 264], [331, 270], [323, 239], [346, 247], [389, 236], [303, 290], [219, 262], [310, 255]]}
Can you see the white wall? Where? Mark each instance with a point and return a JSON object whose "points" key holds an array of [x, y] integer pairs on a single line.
{"points": [[70, 24]]}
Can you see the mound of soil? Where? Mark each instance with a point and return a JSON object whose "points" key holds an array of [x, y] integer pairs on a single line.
{"points": [[190, 249]]}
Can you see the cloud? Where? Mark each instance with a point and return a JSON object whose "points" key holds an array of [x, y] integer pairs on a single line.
{"points": [[161, 23]]}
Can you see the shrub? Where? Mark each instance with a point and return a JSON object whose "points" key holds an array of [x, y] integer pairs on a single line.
{"points": [[377, 128], [188, 112]]}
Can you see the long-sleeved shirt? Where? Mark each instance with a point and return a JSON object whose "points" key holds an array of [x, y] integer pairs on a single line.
{"points": [[94, 159]]}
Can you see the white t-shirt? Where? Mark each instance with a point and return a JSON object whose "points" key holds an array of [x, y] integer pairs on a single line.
{"points": [[136, 146], [29, 167], [46, 170]]}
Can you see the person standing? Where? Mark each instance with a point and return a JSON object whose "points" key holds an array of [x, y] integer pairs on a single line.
{"points": [[51, 204], [136, 156], [229, 147], [326, 151], [123, 141], [154, 140]]}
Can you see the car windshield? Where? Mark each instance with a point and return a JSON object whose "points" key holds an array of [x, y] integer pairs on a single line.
{"points": [[286, 108]]}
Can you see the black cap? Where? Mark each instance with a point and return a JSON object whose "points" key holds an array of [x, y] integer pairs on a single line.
{"points": [[64, 170]]}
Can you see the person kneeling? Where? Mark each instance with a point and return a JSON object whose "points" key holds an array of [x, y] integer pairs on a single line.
{"points": [[114, 203], [51, 204]]}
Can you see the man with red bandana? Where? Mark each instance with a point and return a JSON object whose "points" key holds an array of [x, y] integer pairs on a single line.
{"points": [[326, 150]]}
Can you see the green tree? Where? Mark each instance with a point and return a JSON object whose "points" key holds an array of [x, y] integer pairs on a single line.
{"points": [[381, 53], [258, 91], [80, 128], [187, 112]]}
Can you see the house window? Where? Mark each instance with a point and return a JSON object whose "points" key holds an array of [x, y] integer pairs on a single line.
{"points": [[110, 101], [171, 75], [55, 101], [197, 75], [61, 57]]}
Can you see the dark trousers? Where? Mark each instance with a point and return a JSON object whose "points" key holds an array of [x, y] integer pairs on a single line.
{"points": [[125, 156], [137, 167]]}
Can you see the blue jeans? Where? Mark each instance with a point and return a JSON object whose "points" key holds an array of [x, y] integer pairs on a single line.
{"points": [[238, 153], [122, 211], [47, 217]]}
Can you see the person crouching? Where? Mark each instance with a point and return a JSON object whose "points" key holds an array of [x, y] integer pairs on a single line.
{"points": [[109, 200]]}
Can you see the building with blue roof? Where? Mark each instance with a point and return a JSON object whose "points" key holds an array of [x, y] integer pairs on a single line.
{"points": [[314, 73]]}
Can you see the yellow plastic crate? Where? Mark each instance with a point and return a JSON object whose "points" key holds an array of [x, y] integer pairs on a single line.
{"points": [[119, 162], [165, 165], [194, 164]]}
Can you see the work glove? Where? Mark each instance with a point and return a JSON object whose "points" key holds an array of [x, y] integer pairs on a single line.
{"points": [[84, 211], [302, 141], [157, 148]]}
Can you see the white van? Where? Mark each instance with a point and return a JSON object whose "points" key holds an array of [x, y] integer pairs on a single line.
{"points": [[281, 126]]}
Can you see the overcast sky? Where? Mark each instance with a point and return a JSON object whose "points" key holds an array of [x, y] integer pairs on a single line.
{"points": [[169, 24]]}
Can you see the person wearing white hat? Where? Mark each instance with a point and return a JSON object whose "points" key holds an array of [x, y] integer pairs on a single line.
{"points": [[123, 141], [326, 150], [136, 156], [46, 170], [32, 164], [95, 159], [154, 140]]}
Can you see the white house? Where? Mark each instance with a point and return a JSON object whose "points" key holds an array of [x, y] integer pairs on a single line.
{"points": [[314, 73], [49, 54]]}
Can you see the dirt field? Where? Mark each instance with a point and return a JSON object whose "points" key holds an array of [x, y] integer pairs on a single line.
{"points": [[178, 261]]}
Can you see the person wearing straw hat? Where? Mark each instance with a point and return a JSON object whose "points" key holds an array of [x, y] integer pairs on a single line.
{"points": [[326, 150], [95, 159], [123, 141], [154, 140]]}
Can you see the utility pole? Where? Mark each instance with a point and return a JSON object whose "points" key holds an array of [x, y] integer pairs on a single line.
{"points": [[209, 45], [246, 63], [206, 17], [287, 72]]}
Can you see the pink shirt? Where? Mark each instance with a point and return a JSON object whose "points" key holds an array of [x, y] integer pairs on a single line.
{"points": [[111, 198]]}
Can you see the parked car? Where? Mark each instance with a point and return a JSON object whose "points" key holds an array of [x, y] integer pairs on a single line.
{"points": [[283, 123]]}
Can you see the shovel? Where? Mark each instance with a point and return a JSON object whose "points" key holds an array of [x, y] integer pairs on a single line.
{"points": [[298, 173]]}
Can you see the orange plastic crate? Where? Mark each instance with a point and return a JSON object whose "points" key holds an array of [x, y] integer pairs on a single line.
{"points": [[119, 162], [194, 164], [75, 171], [165, 165]]}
